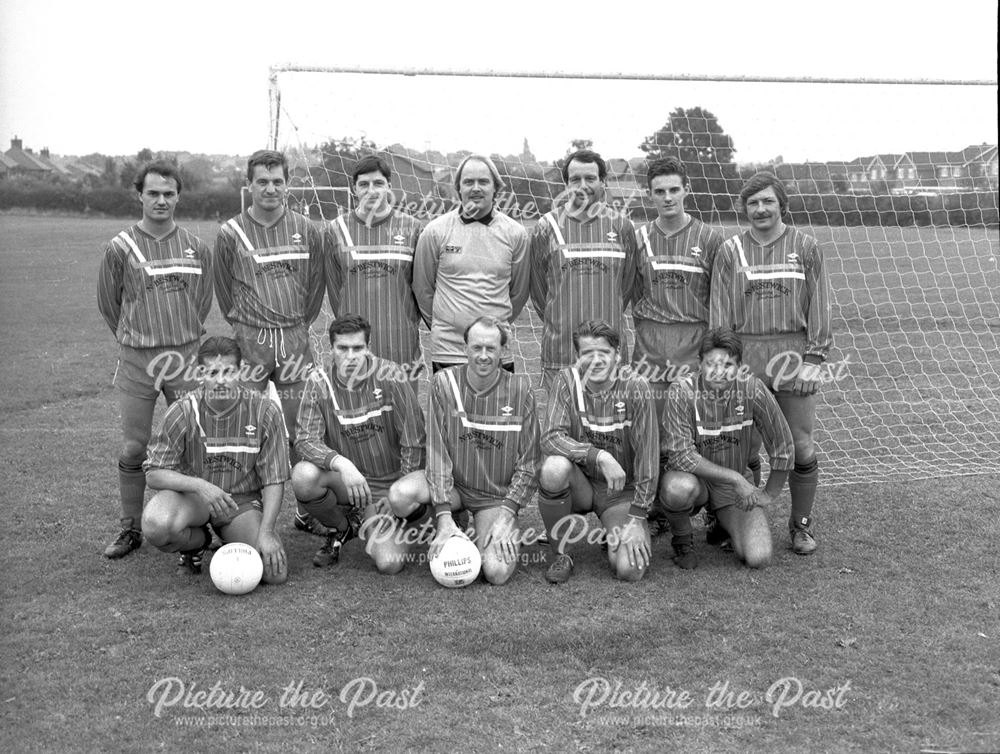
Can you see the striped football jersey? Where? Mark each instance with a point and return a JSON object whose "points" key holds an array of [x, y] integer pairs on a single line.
{"points": [[620, 420], [674, 273], [240, 451], [155, 293], [269, 276], [483, 445], [369, 272], [699, 423], [780, 288], [376, 422], [580, 271]]}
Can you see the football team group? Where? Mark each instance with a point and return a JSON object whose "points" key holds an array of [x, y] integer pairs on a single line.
{"points": [[730, 340]]}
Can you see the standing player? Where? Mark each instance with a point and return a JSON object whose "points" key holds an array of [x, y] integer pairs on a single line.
{"points": [[154, 291], [671, 302], [583, 261], [220, 457], [600, 441], [370, 266], [269, 275], [770, 286], [482, 449], [472, 259], [361, 439], [706, 439]]}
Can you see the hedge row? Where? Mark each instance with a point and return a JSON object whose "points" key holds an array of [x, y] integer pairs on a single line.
{"points": [[113, 202]]}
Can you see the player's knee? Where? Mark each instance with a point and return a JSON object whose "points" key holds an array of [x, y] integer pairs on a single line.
{"points": [[305, 479], [159, 522], [388, 560], [279, 576], [757, 552], [496, 571], [625, 571], [678, 492], [133, 453], [554, 474]]}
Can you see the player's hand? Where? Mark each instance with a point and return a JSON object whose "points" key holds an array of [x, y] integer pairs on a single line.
{"points": [[763, 499], [807, 378], [747, 495], [358, 493], [220, 503], [271, 552], [614, 474], [502, 538], [446, 528], [633, 538]]}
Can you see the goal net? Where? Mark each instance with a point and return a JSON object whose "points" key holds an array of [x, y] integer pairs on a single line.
{"points": [[907, 217]]}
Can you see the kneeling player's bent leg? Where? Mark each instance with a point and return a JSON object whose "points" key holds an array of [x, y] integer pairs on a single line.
{"points": [[245, 528], [498, 540], [317, 492], [563, 489], [750, 533], [615, 519], [681, 494], [174, 521]]}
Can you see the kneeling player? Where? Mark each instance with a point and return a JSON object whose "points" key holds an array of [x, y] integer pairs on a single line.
{"points": [[706, 439], [361, 435], [602, 455], [220, 457], [482, 449]]}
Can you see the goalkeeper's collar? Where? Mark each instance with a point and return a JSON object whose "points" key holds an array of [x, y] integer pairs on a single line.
{"points": [[485, 219]]}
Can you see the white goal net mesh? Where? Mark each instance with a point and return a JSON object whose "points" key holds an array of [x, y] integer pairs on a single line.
{"points": [[908, 227]]}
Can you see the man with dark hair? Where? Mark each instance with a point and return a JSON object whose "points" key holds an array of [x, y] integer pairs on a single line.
{"points": [[361, 438], [671, 295], [472, 259], [154, 291], [370, 265], [220, 457], [601, 455], [706, 440], [269, 275], [482, 449], [583, 261], [770, 286]]}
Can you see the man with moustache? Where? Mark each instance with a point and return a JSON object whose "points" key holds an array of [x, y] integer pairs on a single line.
{"points": [[470, 261]]}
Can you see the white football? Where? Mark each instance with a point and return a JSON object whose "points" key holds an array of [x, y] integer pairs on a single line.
{"points": [[236, 568], [458, 562]]}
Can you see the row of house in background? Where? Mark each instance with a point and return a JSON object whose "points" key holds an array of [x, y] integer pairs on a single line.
{"points": [[21, 160]]}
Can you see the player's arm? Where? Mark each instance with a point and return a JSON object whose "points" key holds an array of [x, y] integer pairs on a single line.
{"points": [[310, 425], [110, 286], [409, 420], [776, 436], [439, 472], [646, 464], [638, 291], [524, 481], [629, 273], [167, 454], [417, 233], [520, 273], [557, 439], [720, 308], [333, 270], [223, 272], [272, 470], [205, 282], [316, 285], [425, 264], [538, 253], [819, 333]]}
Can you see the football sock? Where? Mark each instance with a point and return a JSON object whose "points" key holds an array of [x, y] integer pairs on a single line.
{"points": [[327, 511], [554, 506], [132, 486], [418, 514], [802, 483]]}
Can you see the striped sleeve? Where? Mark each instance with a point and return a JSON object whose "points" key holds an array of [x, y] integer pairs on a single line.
{"points": [[168, 449], [316, 285], [677, 433], [524, 481], [773, 428], [520, 272], [440, 478], [632, 262], [558, 439], [819, 335], [721, 312], [223, 274], [205, 282], [538, 253], [425, 264], [645, 465], [409, 421], [272, 459], [310, 425], [109, 286], [333, 270]]}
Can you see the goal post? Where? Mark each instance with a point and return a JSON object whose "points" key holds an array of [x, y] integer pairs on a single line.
{"points": [[908, 224]]}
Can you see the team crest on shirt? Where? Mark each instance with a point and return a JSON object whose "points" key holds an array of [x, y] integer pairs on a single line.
{"points": [[377, 392], [250, 428], [296, 238], [399, 240], [451, 248], [612, 236], [695, 251], [507, 411], [189, 253]]}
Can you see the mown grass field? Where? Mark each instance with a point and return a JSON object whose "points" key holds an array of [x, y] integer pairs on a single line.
{"points": [[893, 625]]}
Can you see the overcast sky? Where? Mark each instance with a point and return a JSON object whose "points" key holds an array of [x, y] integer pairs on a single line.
{"points": [[114, 77]]}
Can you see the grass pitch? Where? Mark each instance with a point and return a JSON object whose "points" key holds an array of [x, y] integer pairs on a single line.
{"points": [[885, 640]]}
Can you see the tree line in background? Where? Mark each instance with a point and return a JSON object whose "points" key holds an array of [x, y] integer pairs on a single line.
{"points": [[692, 135]]}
